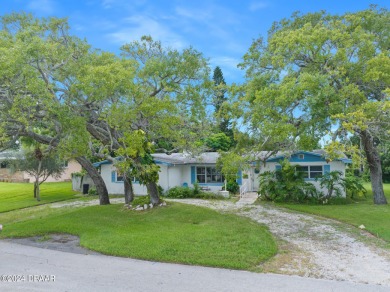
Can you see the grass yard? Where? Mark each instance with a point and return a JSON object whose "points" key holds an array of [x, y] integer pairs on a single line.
{"points": [[375, 218], [178, 233], [20, 195]]}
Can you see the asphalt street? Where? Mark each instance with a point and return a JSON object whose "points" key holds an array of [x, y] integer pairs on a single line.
{"points": [[27, 268]]}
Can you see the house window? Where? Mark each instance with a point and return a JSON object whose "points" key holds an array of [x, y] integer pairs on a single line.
{"points": [[208, 175], [301, 156], [311, 171], [120, 177], [3, 164]]}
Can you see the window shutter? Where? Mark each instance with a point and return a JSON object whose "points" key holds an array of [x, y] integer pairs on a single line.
{"points": [[239, 179], [193, 174], [113, 176], [326, 168]]}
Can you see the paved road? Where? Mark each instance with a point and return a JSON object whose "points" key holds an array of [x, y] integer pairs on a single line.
{"points": [[75, 272]]}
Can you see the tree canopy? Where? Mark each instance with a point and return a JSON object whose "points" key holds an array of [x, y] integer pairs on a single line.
{"points": [[322, 75]]}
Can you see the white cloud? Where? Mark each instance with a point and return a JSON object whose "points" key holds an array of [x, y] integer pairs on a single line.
{"points": [[228, 66], [133, 28], [254, 6], [106, 4], [42, 6]]}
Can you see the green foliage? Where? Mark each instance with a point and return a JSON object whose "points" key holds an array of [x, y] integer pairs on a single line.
{"points": [[40, 168], [142, 200], [186, 192], [196, 188], [219, 141], [219, 102], [357, 211], [333, 183], [354, 186], [230, 163], [232, 186], [286, 185], [92, 192], [319, 74], [180, 193]]}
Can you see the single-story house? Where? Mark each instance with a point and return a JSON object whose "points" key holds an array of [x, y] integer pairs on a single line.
{"points": [[182, 169], [313, 164], [176, 169], [7, 175]]}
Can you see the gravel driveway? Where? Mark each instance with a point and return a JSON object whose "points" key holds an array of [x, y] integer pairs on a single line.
{"points": [[315, 247]]}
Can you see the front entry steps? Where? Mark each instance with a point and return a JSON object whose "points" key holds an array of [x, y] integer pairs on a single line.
{"points": [[248, 198]]}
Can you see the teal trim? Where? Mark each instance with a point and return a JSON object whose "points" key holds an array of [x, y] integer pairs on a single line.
{"points": [[239, 179], [278, 167], [163, 162], [326, 168], [193, 174], [113, 176]]}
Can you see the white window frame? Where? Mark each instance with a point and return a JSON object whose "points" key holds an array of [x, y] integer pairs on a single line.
{"points": [[213, 172], [310, 171]]}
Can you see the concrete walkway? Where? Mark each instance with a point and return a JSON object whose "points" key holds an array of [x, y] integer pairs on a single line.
{"points": [[247, 199], [26, 268]]}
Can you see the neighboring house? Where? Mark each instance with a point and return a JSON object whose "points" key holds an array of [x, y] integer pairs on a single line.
{"points": [[177, 169], [70, 167], [6, 174], [312, 164]]}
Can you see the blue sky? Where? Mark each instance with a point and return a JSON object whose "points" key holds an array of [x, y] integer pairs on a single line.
{"points": [[221, 30]]}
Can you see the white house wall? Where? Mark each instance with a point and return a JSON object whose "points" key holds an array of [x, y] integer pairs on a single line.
{"points": [[169, 177]]}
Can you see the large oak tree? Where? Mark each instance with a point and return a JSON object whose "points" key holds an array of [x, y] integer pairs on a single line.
{"points": [[320, 74]]}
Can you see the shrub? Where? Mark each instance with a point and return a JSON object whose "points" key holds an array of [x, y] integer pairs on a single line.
{"points": [[208, 195], [180, 193], [142, 200], [92, 192], [286, 185], [196, 188], [186, 192], [333, 183], [354, 186], [232, 186]]}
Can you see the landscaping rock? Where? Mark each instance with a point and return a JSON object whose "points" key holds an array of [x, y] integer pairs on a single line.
{"points": [[145, 206], [150, 205], [139, 208]]}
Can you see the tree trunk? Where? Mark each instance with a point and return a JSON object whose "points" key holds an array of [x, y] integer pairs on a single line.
{"points": [[374, 163], [36, 183], [129, 192], [37, 194], [97, 179], [153, 193]]}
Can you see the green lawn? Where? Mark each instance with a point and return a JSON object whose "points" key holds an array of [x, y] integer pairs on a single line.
{"points": [[375, 218], [20, 195], [178, 233]]}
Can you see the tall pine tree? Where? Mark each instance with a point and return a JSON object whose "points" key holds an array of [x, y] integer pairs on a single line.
{"points": [[224, 124]]}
